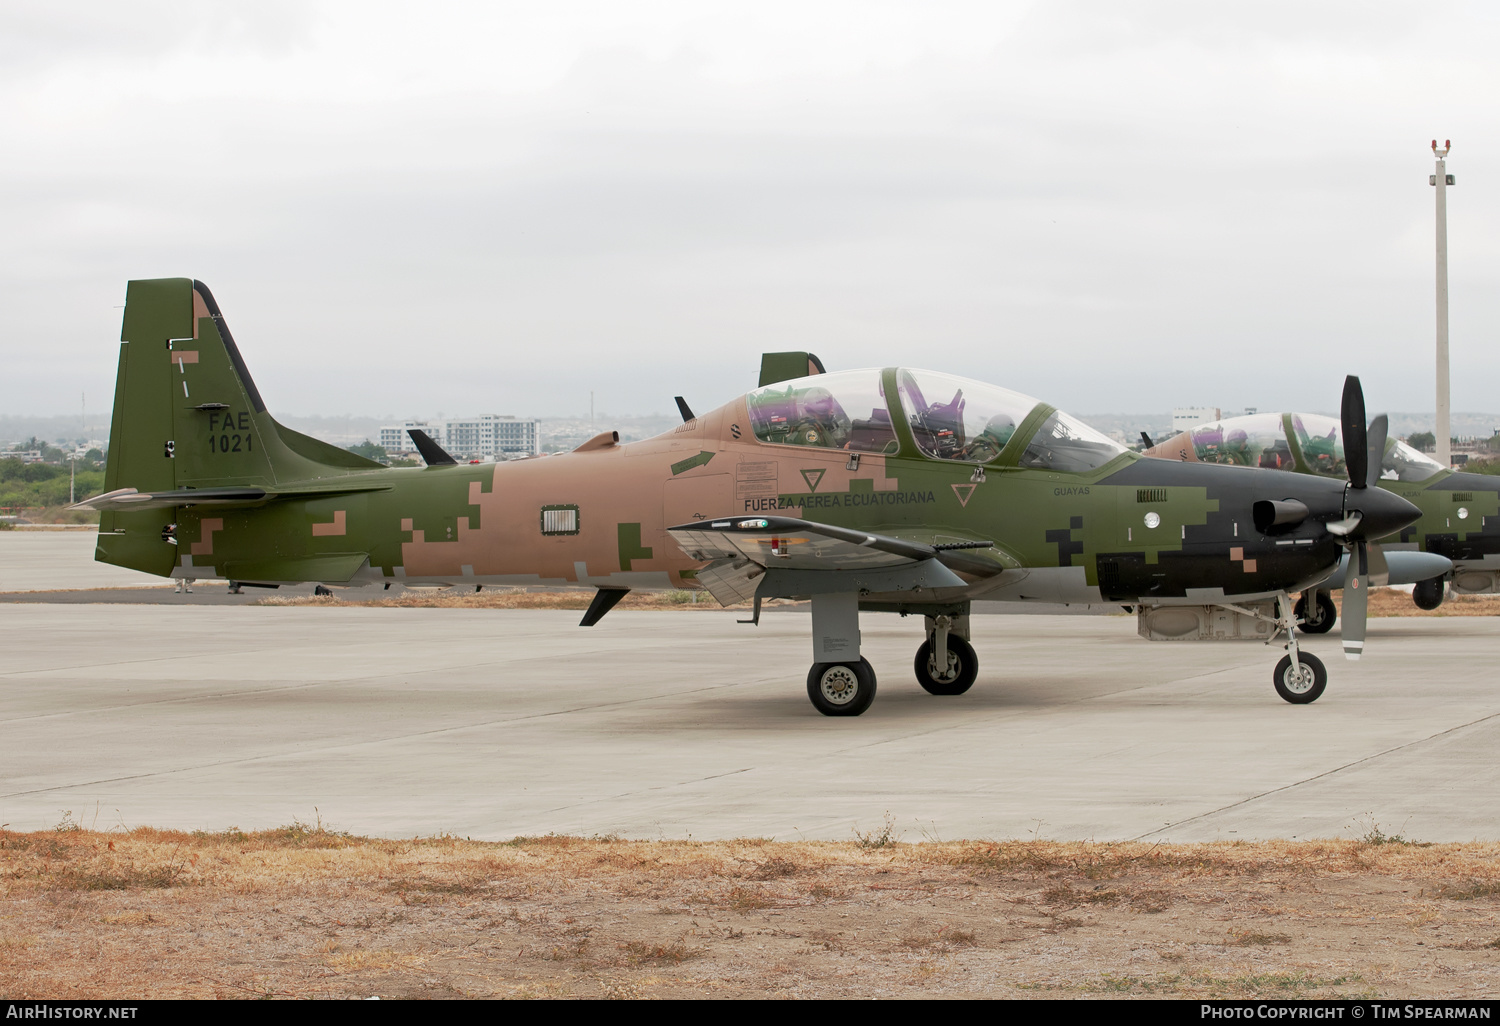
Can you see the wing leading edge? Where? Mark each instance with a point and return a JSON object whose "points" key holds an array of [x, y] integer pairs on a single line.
{"points": [[768, 556]]}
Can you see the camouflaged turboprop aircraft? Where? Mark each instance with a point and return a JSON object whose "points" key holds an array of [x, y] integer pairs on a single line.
{"points": [[1453, 541], [894, 490]]}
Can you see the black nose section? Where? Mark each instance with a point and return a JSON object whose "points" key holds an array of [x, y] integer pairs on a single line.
{"points": [[1384, 512]]}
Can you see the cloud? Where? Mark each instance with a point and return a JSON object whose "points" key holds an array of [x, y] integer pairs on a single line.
{"points": [[501, 207]]}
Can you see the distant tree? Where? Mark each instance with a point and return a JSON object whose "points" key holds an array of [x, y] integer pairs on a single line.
{"points": [[93, 456], [396, 462], [370, 451], [1422, 441]]}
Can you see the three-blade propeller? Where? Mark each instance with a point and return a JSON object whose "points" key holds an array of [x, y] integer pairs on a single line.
{"points": [[1364, 450]]}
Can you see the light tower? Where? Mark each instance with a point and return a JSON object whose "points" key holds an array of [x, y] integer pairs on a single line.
{"points": [[1442, 179]]}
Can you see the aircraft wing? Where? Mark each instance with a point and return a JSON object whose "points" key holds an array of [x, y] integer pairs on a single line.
{"points": [[795, 544], [739, 550]]}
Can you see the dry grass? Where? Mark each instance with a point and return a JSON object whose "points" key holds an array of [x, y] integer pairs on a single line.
{"points": [[1394, 602], [304, 911]]}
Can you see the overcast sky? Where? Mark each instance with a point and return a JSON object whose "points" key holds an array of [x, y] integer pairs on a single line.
{"points": [[498, 207]]}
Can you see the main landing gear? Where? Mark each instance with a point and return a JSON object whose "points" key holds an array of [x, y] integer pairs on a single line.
{"points": [[842, 682], [1428, 594], [1319, 616], [946, 663], [841, 689]]}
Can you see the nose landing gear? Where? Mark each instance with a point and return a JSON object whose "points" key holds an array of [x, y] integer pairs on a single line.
{"points": [[1300, 676]]}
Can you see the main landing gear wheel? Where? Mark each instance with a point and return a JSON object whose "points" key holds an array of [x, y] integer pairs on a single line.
{"points": [[962, 668], [1304, 687], [1319, 619], [841, 689], [1428, 594]]}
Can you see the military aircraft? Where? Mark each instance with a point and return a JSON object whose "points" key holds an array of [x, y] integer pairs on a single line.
{"points": [[884, 489], [1453, 541]]}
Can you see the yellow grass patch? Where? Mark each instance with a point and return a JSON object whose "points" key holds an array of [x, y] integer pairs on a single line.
{"points": [[1394, 602], [307, 912]]}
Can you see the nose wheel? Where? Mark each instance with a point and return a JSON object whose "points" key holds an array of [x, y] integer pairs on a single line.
{"points": [[841, 689], [1300, 676], [1304, 682]]}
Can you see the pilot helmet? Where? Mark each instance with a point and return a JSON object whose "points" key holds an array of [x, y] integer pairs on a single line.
{"points": [[999, 428]]}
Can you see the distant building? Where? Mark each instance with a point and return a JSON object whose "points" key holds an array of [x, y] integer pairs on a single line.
{"points": [[488, 436], [24, 455], [1185, 417], [395, 440]]}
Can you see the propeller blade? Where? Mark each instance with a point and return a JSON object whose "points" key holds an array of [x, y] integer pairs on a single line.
{"points": [[1352, 416], [1379, 428], [1356, 602], [1380, 570]]}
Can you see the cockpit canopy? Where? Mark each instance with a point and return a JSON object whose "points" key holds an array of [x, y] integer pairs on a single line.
{"points": [[1260, 440], [950, 418]]}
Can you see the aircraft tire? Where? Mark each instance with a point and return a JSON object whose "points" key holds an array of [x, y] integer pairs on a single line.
{"points": [[968, 667], [1428, 594], [841, 689], [1313, 680], [1325, 611]]}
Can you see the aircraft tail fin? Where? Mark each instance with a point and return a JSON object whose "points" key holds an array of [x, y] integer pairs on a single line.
{"points": [[188, 415]]}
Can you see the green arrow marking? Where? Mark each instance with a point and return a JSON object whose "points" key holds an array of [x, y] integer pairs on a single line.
{"points": [[691, 462]]}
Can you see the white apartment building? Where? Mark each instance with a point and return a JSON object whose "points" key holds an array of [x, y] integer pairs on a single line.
{"points": [[395, 440], [1185, 417], [489, 435]]}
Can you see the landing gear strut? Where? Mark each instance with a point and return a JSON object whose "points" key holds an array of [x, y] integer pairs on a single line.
{"points": [[1300, 676], [841, 681], [946, 663]]}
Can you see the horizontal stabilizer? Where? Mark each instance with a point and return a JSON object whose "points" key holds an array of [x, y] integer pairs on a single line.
{"points": [[129, 499]]}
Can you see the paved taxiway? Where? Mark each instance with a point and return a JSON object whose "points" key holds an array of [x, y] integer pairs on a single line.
{"points": [[492, 723], [38, 560]]}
